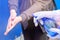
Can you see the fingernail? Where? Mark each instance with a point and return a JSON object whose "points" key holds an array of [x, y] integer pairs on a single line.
{"points": [[5, 33]]}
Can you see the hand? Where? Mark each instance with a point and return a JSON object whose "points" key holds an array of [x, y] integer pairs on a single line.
{"points": [[11, 24], [12, 21], [11, 18]]}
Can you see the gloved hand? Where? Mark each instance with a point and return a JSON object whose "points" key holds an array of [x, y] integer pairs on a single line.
{"points": [[57, 30], [48, 14]]}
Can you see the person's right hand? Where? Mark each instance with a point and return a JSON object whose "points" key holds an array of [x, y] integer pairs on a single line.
{"points": [[57, 30], [13, 15], [12, 21]]}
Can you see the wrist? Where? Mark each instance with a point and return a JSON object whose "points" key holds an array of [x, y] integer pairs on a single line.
{"points": [[20, 18], [13, 12]]}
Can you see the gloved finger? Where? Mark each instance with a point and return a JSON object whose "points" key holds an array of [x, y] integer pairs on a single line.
{"points": [[53, 37], [9, 25], [55, 30], [35, 22]]}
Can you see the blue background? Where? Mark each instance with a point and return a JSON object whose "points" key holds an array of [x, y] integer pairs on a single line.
{"points": [[57, 3], [4, 15]]}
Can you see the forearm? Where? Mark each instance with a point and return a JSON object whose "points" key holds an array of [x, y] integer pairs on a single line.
{"points": [[38, 6], [13, 4], [26, 15]]}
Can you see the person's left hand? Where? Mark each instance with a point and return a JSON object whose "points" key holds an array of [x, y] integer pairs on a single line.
{"points": [[55, 30]]}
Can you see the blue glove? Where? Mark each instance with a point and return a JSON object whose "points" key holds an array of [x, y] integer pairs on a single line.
{"points": [[48, 24], [57, 30], [48, 19]]}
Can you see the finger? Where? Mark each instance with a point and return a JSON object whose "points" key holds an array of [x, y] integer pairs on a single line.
{"points": [[55, 30], [10, 22], [7, 29], [11, 25], [11, 18], [15, 21], [53, 37]]}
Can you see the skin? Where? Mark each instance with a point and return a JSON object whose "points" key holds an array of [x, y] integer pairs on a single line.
{"points": [[12, 21]]}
